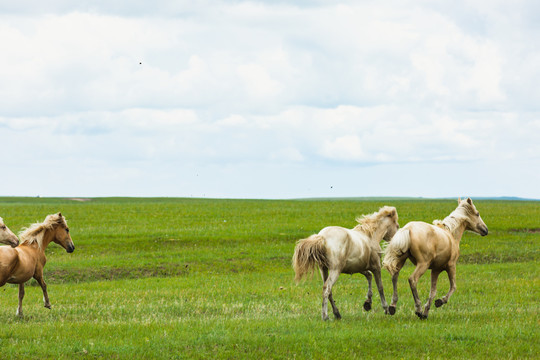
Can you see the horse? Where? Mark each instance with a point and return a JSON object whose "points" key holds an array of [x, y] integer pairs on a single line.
{"points": [[7, 236], [434, 247], [337, 250], [20, 264]]}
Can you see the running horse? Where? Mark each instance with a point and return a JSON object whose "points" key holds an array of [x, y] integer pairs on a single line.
{"points": [[337, 250], [20, 264], [7, 236], [434, 247]]}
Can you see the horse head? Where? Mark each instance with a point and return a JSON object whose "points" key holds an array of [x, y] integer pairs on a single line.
{"points": [[61, 233], [7, 236], [474, 221], [390, 220]]}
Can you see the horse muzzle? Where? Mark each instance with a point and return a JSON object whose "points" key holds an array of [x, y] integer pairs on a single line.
{"points": [[70, 248], [484, 231]]}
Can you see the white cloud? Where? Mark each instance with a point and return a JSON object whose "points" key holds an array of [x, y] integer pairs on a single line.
{"points": [[257, 81], [221, 85], [346, 147]]}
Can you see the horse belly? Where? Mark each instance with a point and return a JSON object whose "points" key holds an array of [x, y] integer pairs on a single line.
{"points": [[14, 279], [21, 274], [354, 266], [440, 262]]}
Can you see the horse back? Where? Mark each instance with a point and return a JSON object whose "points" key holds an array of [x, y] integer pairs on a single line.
{"points": [[431, 244]]}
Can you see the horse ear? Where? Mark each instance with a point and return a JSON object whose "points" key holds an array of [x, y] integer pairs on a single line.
{"points": [[394, 212], [459, 200], [469, 201], [59, 214]]}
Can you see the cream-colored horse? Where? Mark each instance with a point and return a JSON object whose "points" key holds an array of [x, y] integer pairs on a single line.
{"points": [[7, 236], [434, 247], [20, 264], [337, 250]]}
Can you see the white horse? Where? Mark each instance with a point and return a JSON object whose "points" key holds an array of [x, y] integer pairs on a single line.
{"points": [[337, 250]]}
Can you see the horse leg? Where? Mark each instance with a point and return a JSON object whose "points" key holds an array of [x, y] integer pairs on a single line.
{"points": [[451, 270], [378, 281], [327, 295], [43, 285], [432, 292], [367, 303], [413, 282], [324, 275], [335, 310], [21, 296], [395, 276]]}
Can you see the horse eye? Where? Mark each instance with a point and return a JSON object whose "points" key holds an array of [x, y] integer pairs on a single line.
{"points": [[3, 227], [477, 214], [67, 229]]}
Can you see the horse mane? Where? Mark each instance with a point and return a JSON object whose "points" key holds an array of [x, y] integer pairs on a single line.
{"points": [[369, 223], [35, 232], [463, 212]]}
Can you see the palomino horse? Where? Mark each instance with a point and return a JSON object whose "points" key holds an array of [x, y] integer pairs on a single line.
{"points": [[20, 264], [434, 247], [7, 236], [339, 250]]}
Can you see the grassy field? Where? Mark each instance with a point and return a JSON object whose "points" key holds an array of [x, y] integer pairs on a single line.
{"points": [[196, 278]]}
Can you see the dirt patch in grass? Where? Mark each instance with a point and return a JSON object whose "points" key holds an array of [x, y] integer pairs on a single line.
{"points": [[113, 273], [527, 230], [490, 258]]}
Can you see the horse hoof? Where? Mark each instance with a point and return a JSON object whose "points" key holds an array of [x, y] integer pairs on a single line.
{"points": [[392, 310], [421, 316], [438, 303], [337, 316], [367, 306]]}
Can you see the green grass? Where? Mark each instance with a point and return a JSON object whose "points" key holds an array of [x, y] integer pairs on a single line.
{"points": [[197, 278]]}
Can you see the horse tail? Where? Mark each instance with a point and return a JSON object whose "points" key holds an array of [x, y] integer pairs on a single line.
{"points": [[307, 254], [398, 246]]}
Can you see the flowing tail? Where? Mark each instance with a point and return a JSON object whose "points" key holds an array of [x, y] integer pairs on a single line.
{"points": [[398, 246], [307, 254]]}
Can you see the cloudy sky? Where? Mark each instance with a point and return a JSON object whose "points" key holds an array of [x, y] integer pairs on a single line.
{"points": [[270, 99]]}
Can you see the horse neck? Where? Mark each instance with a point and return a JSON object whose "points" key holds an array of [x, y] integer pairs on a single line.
{"points": [[377, 235], [48, 236], [456, 226]]}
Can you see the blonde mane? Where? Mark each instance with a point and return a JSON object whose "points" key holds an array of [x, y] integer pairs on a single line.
{"points": [[35, 232], [369, 223], [463, 212]]}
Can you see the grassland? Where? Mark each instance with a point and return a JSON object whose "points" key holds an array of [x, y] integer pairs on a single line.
{"points": [[197, 278]]}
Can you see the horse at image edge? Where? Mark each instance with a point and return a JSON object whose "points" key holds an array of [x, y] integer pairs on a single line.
{"points": [[7, 236], [21, 263]]}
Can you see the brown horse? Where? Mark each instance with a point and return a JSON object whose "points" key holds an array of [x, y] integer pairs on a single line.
{"points": [[20, 264], [434, 247], [7, 236], [337, 250]]}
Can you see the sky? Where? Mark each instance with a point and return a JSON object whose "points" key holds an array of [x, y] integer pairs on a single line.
{"points": [[270, 99]]}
